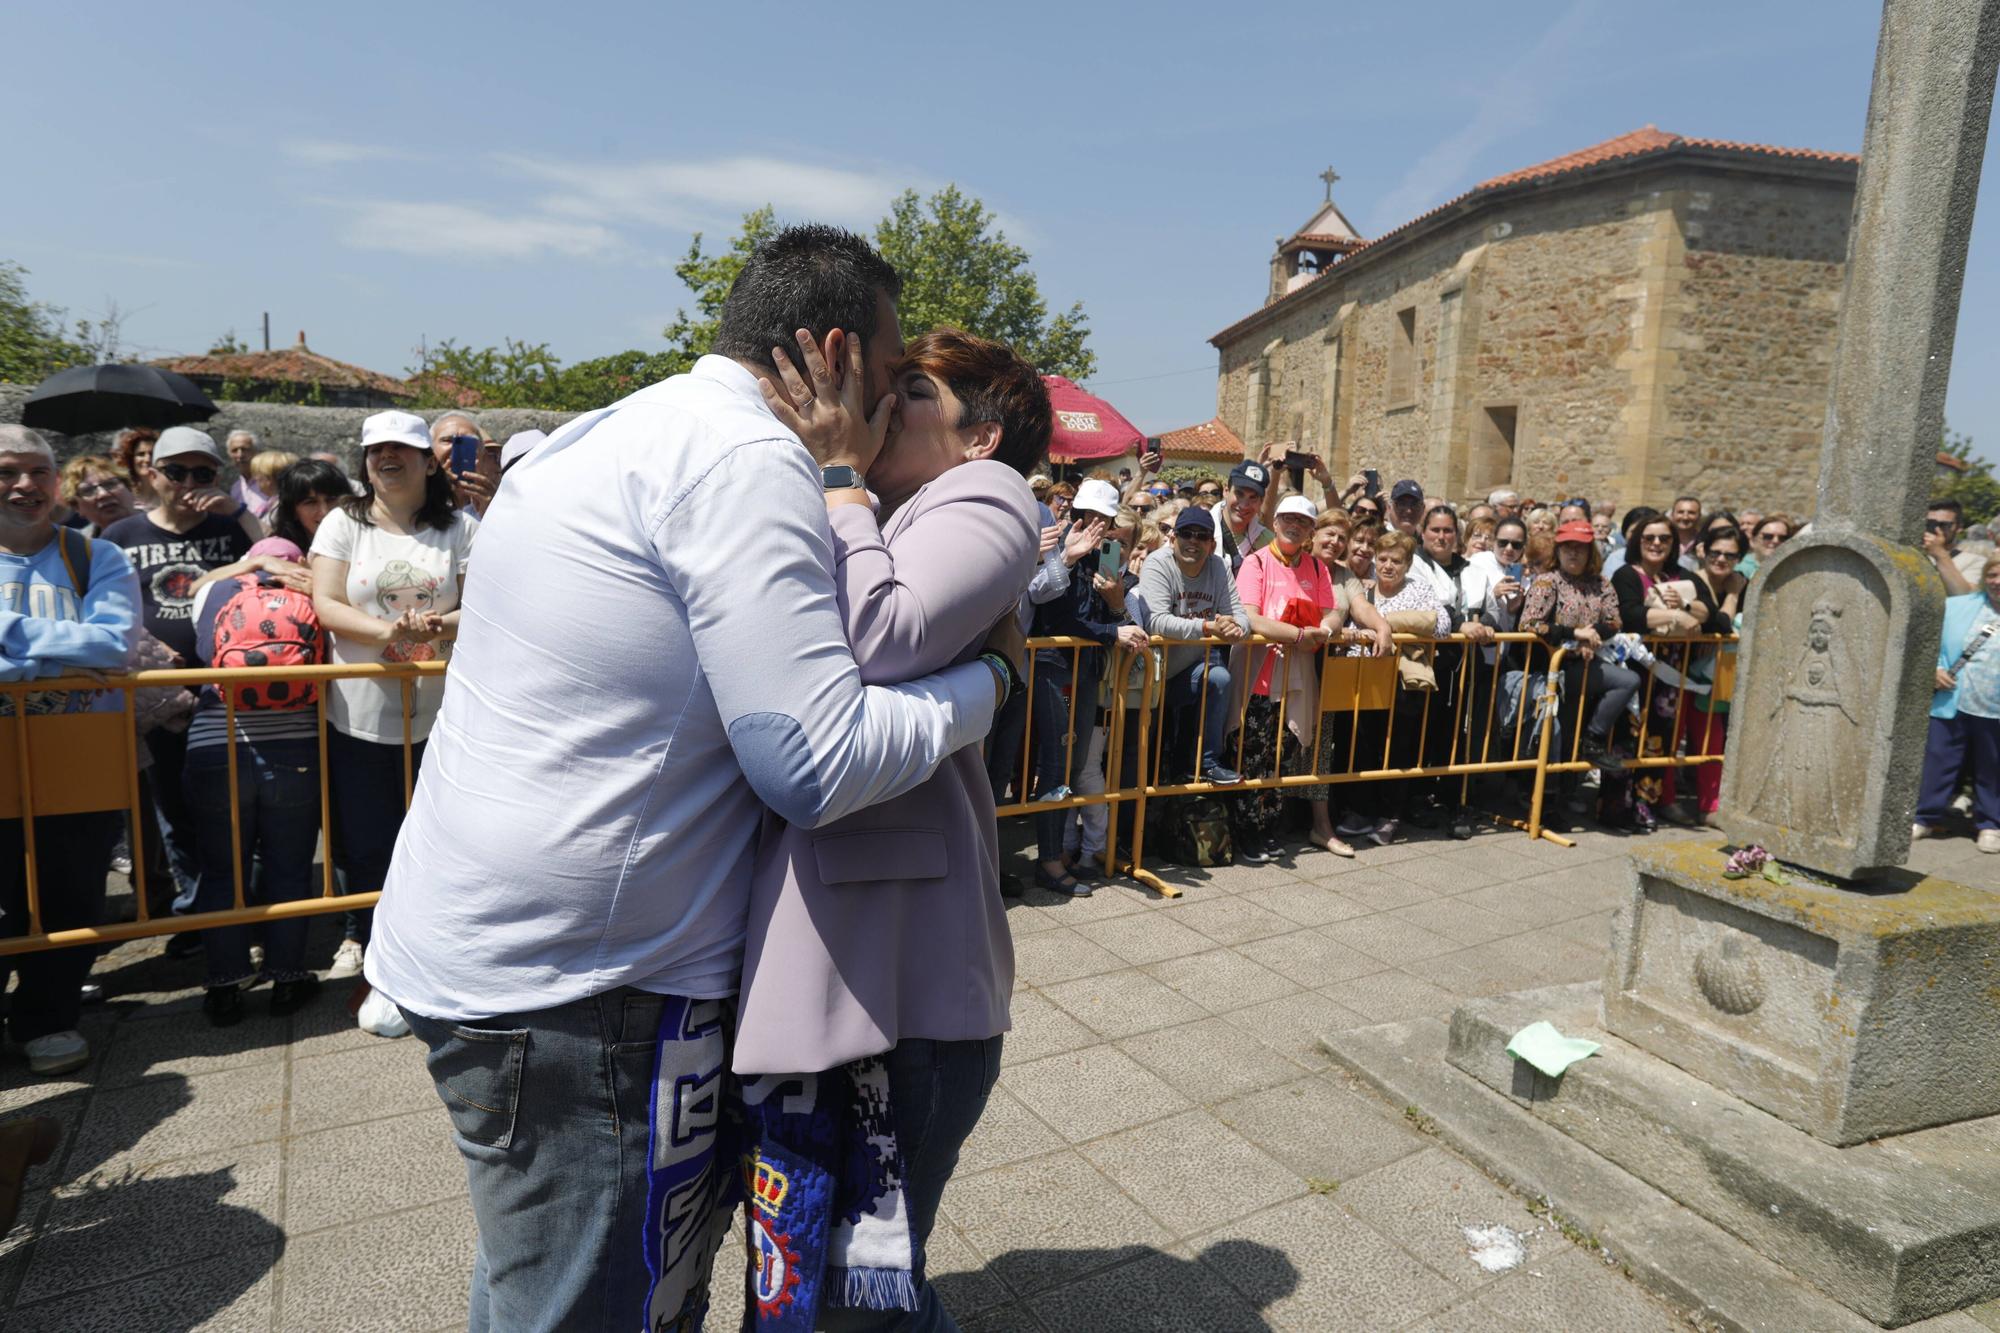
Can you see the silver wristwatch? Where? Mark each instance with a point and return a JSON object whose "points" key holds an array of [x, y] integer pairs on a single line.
{"points": [[840, 477]]}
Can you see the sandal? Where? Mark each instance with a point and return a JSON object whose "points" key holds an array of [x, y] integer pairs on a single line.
{"points": [[1334, 844], [1066, 884]]}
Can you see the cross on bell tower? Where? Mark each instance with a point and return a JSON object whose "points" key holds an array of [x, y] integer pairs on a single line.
{"points": [[1329, 176]]}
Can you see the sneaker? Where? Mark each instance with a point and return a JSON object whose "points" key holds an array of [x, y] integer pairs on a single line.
{"points": [[1354, 826], [1217, 775], [1461, 827], [291, 996], [92, 993], [1250, 854], [57, 1053], [1918, 832], [256, 958], [1988, 840], [121, 865], [346, 961], [223, 1005], [1385, 832]]}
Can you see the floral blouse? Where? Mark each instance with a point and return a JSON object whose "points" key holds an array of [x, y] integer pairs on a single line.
{"points": [[1557, 605], [1414, 595]]}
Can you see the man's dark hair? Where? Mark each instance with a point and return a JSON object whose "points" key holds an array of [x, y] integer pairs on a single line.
{"points": [[811, 277], [1694, 499], [1635, 515], [1957, 509]]}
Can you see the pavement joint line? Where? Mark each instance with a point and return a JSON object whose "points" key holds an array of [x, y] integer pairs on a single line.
{"points": [[284, 1178]]}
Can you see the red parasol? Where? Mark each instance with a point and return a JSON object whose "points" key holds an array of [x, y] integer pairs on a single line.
{"points": [[1087, 427]]}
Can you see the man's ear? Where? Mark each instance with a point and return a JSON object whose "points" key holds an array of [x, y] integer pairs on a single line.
{"points": [[834, 348], [985, 441]]}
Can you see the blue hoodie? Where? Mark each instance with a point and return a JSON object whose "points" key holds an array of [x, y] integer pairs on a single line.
{"points": [[47, 630]]}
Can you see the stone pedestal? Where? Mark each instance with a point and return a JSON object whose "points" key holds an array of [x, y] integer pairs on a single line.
{"points": [[1850, 1015]]}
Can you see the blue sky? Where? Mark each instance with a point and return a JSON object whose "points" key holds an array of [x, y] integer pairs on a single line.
{"points": [[378, 175]]}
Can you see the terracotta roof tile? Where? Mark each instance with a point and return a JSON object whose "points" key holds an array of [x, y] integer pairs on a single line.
{"points": [[297, 364], [1211, 439], [1953, 462]]}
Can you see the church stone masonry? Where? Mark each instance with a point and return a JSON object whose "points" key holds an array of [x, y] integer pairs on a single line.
{"points": [[1650, 316]]}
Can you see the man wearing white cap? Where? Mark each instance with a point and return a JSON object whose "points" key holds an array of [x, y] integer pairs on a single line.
{"points": [[196, 526]]}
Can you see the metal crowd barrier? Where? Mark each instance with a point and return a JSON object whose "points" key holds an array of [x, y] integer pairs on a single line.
{"points": [[77, 763]]}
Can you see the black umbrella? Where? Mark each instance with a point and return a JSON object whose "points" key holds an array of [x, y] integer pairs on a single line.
{"points": [[85, 399]]}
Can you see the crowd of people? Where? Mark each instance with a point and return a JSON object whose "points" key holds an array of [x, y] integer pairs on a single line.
{"points": [[749, 838]]}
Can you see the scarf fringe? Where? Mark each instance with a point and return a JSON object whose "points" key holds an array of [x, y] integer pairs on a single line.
{"points": [[872, 1288]]}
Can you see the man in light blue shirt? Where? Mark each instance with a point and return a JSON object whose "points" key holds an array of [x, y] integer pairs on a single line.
{"points": [[650, 658]]}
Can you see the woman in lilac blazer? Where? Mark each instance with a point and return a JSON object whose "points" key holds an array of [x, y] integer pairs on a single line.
{"points": [[885, 933]]}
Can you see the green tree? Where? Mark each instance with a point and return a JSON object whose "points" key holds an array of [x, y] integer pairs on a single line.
{"points": [[1976, 488], [33, 341], [228, 345], [959, 269], [710, 277]]}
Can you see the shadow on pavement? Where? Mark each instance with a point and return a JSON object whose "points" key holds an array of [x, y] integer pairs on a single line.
{"points": [[1226, 1287]]}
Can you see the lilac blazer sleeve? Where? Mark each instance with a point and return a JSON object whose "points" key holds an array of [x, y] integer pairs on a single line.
{"points": [[952, 562]]}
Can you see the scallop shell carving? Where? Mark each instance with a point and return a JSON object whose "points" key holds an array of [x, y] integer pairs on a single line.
{"points": [[1727, 975]]}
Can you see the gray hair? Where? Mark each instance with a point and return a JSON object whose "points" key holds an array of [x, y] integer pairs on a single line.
{"points": [[20, 440], [1503, 496], [454, 415], [236, 435]]}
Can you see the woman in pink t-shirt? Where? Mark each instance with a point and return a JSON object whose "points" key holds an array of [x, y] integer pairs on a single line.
{"points": [[1290, 595]]}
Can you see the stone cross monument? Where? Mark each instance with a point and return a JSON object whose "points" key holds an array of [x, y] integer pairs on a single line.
{"points": [[1827, 737]]}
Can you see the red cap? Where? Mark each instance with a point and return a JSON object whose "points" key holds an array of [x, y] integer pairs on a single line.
{"points": [[1576, 530]]}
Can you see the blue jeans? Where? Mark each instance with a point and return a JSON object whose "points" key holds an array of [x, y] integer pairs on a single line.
{"points": [[1954, 745], [72, 856], [173, 822], [937, 1092], [277, 802], [1208, 676], [549, 1110], [1056, 763], [366, 789]]}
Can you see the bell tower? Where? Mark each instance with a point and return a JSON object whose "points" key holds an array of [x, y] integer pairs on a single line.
{"points": [[1313, 248]]}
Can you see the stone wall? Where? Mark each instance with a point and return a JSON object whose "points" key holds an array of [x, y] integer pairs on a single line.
{"points": [[301, 430], [1645, 334]]}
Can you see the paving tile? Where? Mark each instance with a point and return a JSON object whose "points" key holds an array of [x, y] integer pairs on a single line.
{"points": [[1320, 1130], [1475, 971], [1441, 874], [1310, 959], [230, 1293], [1049, 1221], [1292, 1025], [1119, 1004], [1380, 889], [1041, 1028], [1109, 900], [1308, 1265], [1593, 931], [169, 1116], [1306, 903], [1389, 938], [1209, 1060], [961, 1277], [1006, 1132], [1222, 979], [1004, 1319], [187, 1043], [1148, 938], [416, 1264], [1088, 1093], [1229, 920], [67, 1111], [1495, 860], [1025, 920], [155, 1217], [1390, 997], [383, 1079], [322, 1188], [1525, 902], [1424, 1202], [1589, 1294], [1192, 1172], [1158, 1291], [1060, 955], [1459, 920], [327, 1025]]}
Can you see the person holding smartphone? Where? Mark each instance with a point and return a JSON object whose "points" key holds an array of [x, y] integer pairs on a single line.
{"points": [[470, 458]]}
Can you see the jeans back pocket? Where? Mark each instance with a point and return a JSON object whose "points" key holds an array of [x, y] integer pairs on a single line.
{"points": [[478, 1075]]}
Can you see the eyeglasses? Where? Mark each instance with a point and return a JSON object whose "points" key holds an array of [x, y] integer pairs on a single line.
{"points": [[1656, 539], [1769, 538], [1713, 556], [90, 488], [177, 472], [1509, 543], [1194, 535], [1938, 525]]}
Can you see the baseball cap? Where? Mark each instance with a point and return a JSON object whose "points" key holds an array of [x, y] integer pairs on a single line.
{"points": [[1298, 504], [1097, 497], [1199, 519], [1406, 489], [180, 441], [1576, 530], [519, 443], [1251, 474], [392, 428]]}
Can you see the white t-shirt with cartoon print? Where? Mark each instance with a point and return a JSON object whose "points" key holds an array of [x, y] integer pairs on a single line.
{"points": [[388, 574]]}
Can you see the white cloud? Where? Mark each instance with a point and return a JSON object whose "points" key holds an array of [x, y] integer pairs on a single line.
{"points": [[460, 232], [1515, 98], [691, 195], [333, 152]]}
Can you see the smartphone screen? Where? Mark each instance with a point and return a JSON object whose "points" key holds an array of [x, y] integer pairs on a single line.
{"points": [[464, 454], [1513, 571], [1110, 560], [1374, 480]]}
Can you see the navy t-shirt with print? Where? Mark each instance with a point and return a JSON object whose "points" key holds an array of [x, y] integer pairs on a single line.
{"points": [[168, 563]]}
